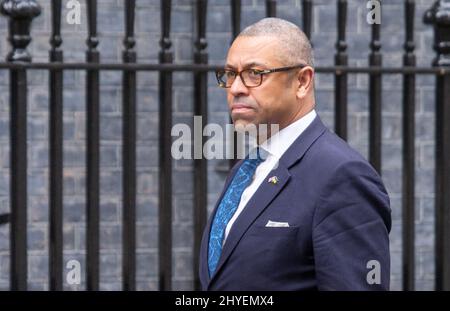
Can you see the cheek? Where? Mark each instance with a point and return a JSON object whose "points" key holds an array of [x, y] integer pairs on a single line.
{"points": [[262, 106], [267, 103], [229, 98], [273, 107]]}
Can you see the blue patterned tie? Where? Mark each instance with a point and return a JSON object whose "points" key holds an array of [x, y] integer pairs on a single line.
{"points": [[228, 206]]}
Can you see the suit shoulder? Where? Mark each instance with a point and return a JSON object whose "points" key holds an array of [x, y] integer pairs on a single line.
{"points": [[331, 152]]}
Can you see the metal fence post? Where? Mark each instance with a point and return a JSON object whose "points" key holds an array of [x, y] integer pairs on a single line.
{"points": [[92, 152], [408, 154], [20, 13], [165, 157], [439, 16], [129, 99], [341, 79], [56, 157], [200, 110]]}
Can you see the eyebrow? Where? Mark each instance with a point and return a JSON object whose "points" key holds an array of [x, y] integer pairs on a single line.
{"points": [[249, 65]]}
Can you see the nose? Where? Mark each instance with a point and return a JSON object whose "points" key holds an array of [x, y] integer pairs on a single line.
{"points": [[238, 87]]}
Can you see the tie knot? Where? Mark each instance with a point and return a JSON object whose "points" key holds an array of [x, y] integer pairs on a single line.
{"points": [[256, 156]]}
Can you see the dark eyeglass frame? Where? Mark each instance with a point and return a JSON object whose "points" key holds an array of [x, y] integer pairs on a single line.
{"points": [[259, 72]]}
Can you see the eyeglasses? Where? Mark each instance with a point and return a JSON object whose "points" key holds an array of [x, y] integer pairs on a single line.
{"points": [[250, 77]]}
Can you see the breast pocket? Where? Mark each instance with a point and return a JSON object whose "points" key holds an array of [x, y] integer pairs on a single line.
{"points": [[265, 246], [273, 232]]}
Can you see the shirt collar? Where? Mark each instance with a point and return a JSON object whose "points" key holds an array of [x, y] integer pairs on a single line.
{"points": [[278, 143]]}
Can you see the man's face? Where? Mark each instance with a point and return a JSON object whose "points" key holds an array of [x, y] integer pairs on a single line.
{"points": [[274, 101]]}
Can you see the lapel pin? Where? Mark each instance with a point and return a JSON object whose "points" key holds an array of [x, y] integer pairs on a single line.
{"points": [[274, 180]]}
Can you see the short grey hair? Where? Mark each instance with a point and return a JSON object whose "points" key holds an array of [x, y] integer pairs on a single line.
{"points": [[295, 46]]}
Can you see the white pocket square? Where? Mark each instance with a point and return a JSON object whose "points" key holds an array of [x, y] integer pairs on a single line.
{"points": [[271, 223]]}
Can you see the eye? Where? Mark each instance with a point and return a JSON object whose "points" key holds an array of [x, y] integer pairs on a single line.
{"points": [[254, 72], [230, 74]]}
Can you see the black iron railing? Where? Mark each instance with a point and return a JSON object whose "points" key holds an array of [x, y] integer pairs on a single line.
{"points": [[21, 13]]}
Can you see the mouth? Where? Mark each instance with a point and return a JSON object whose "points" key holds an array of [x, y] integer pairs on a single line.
{"points": [[241, 108]]}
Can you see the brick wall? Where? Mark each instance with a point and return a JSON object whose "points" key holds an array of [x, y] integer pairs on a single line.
{"points": [[111, 25]]}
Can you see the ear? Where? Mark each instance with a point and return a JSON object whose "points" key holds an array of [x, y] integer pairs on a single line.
{"points": [[305, 82]]}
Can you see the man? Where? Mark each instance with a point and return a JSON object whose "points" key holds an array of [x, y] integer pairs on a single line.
{"points": [[312, 214]]}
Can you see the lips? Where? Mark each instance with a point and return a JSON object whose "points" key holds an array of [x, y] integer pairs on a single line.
{"points": [[240, 108]]}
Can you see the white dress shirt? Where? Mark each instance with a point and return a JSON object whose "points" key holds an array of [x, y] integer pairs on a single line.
{"points": [[275, 146]]}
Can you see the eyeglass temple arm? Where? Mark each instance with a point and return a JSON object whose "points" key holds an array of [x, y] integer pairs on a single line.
{"points": [[283, 68]]}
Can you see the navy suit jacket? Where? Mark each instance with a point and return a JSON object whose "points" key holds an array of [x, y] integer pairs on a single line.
{"points": [[339, 222]]}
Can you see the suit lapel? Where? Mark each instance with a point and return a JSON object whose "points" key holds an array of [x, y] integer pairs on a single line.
{"points": [[259, 201]]}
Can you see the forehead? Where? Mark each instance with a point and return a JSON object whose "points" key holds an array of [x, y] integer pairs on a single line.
{"points": [[253, 50]]}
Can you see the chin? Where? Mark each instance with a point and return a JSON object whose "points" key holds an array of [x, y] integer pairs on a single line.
{"points": [[245, 127]]}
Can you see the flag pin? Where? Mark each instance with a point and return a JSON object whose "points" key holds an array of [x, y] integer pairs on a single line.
{"points": [[274, 180]]}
